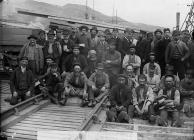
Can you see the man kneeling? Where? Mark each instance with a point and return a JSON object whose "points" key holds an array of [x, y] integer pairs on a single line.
{"points": [[143, 98], [76, 84], [121, 102], [21, 82]]}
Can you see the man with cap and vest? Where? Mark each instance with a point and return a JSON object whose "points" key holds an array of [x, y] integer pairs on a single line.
{"points": [[161, 48], [76, 84], [34, 53], [176, 53], [67, 46], [76, 57], [146, 67], [21, 82], [191, 45], [143, 98], [59, 35], [121, 102], [108, 34], [74, 35], [52, 47], [115, 35], [94, 37], [101, 46], [98, 85], [84, 41], [187, 92], [132, 59], [169, 103], [111, 61]]}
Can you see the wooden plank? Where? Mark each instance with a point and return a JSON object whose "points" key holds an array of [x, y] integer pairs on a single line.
{"points": [[35, 128], [62, 114], [64, 111], [57, 119], [51, 121], [17, 135], [49, 124]]}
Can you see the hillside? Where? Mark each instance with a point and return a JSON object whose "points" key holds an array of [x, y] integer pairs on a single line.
{"points": [[69, 10]]}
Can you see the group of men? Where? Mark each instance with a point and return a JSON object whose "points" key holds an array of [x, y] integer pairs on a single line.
{"points": [[143, 77]]}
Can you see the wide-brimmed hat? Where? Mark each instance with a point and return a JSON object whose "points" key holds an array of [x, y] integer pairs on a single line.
{"points": [[32, 36]]}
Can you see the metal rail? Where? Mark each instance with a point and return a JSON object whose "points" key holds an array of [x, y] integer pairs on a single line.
{"points": [[85, 126], [18, 107]]}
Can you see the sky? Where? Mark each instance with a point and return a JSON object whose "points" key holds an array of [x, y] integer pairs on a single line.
{"points": [[153, 12]]}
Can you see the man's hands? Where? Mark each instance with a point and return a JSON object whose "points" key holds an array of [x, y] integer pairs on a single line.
{"points": [[28, 93], [15, 94], [103, 89], [85, 95], [94, 87]]}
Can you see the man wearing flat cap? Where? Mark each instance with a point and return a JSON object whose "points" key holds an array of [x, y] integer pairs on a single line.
{"points": [[34, 53], [52, 47], [98, 85], [176, 54], [21, 82], [94, 37], [161, 48], [191, 47], [121, 102], [157, 37], [111, 61], [67, 46], [42, 38], [84, 41]]}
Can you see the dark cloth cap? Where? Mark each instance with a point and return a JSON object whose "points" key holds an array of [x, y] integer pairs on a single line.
{"points": [[100, 66], [51, 32], [59, 30], [24, 58], [49, 57], [83, 27], [76, 46], [158, 30], [32, 36], [166, 29], [101, 34], [142, 76], [128, 30], [94, 28], [176, 33], [169, 75], [190, 71], [132, 46]]}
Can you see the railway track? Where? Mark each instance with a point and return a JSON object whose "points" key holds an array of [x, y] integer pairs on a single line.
{"points": [[26, 120]]}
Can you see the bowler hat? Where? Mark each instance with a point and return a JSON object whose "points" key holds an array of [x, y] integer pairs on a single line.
{"points": [[32, 36], [83, 27], [53, 65], [166, 29], [158, 30], [76, 64]]}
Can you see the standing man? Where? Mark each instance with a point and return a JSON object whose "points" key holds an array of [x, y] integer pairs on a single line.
{"points": [[176, 53], [158, 36], [132, 59], [112, 60], [42, 38], [84, 41], [21, 82], [121, 102], [52, 47], [169, 103], [98, 85], [94, 37], [161, 48], [34, 53]]}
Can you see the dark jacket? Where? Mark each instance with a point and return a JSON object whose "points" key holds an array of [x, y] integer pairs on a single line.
{"points": [[71, 59], [56, 52], [15, 79], [121, 96]]}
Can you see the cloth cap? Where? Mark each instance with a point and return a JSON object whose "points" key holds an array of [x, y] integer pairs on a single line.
{"points": [[94, 28], [176, 33], [166, 29], [100, 66], [51, 32], [24, 58], [83, 27], [32, 36], [158, 30]]}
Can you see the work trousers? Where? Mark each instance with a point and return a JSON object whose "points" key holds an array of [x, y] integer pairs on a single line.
{"points": [[179, 67]]}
